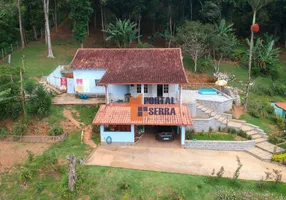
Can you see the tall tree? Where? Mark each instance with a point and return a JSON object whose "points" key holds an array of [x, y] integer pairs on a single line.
{"points": [[80, 12], [47, 27], [123, 32], [255, 5], [20, 25]]}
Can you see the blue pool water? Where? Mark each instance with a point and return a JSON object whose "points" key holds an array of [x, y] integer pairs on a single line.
{"points": [[207, 91]]}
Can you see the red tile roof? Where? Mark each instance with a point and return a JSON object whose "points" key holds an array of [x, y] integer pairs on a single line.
{"points": [[281, 105], [117, 114], [134, 65]]}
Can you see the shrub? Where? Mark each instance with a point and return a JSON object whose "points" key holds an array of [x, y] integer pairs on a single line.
{"points": [[189, 135], [260, 109], [29, 86], [3, 132], [56, 130], [39, 187], [280, 122], [30, 155], [18, 130], [279, 157], [25, 175]]}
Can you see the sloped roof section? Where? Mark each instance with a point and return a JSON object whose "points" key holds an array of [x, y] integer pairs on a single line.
{"points": [[120, 114], [281, 105], [133, 65]]}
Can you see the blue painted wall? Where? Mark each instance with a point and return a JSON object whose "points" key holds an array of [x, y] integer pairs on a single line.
{"points": [[278, 111], [117, 136], [90, 76]]}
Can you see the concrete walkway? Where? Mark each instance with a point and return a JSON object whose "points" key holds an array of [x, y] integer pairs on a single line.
{"points": [[198, 162]]}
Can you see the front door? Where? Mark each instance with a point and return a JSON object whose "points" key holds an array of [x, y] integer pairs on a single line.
{"points": [[159, 90]]}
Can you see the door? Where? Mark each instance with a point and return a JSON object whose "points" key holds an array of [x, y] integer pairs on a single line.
{"points": [[159, 90], [70, 85]]}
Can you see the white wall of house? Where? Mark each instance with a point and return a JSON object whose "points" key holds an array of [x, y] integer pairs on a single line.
{"points": [[117, 137], [152, 91], [90, 77], [54, 78], [117, 92]]}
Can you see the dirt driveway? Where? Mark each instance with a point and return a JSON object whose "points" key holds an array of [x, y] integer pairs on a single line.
{"points": [[199, 162], [12, 153]]}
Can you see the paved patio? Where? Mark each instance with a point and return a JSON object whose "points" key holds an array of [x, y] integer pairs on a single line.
{"points": [[148, 140], [70, 99], [177, 160]]}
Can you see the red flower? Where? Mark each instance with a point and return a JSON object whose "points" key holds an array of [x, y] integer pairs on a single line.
{"points": [[254, 28]]}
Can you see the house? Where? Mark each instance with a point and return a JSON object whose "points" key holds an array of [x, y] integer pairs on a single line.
{"points": [[142, 88], [280, 109]]}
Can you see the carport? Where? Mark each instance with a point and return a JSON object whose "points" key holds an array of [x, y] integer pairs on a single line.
{"points": [[117, 128]]}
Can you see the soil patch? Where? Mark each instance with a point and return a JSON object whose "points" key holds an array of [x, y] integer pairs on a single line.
{"points": [[12, 153], [237, 111]]}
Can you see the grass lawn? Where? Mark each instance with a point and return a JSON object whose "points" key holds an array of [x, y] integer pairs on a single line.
{"points": [[86, 113], [36, 61], [49, 180], [214, 136]]}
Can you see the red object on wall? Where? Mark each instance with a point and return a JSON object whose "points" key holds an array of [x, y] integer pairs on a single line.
{"points": [[254, 28], [63, 81]]}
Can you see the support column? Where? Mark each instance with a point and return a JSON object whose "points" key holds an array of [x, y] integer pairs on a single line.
{"points": [[180, 95], [106, 94], [183, 130], [133, 131], [101, 132], [142, 92]]}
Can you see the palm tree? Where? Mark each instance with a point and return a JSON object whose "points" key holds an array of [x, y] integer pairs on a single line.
{"points": [[255, 5], [123, 32]]}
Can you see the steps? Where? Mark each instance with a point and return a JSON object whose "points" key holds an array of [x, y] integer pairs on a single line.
{"points": [[262, 150], [260, 154]]}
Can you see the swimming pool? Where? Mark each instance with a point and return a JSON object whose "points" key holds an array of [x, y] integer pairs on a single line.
{"points": [[207, 91]]}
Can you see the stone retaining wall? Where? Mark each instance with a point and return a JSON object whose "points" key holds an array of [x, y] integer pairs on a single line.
{"points": [[219, 145], [200, 125], [219, 107]]}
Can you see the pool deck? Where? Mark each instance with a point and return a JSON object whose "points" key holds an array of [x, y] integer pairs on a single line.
{"points": [[191, 95]]}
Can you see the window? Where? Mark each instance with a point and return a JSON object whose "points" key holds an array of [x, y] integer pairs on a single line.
{"points": [[131, 85], [166, 89], [138, 88], [95, 81], [145, 88]]}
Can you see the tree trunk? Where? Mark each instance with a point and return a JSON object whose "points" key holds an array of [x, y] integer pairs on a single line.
{"points": [[102, 24], [72, 173], [42, 33], [81, 45], [22, 91], [35, 32], [20, 25], [249, 64], [46, 38], [56, 17], [87, 28], [94, 19], [139, 28], [191, 9], [46, 11], [196, 62]]}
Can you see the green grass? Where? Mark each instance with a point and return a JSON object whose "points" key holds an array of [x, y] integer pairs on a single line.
{"points": [[36, 61], [86, 113], [108, 182], [56, 115], [265, 124], [214, 136]]}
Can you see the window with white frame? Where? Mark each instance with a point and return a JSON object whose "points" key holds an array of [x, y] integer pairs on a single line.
{"points": [[145, 88], [138, 87], [166, 88]]}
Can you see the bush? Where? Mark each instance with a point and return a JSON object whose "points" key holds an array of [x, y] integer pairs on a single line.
{"points": [[18, 130], [3, 132], [29, 86], [189, 135], [260, 109], [56, 130], [39, 187], [40, 103], [25, 175], [280, 122], [279, 157]]}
